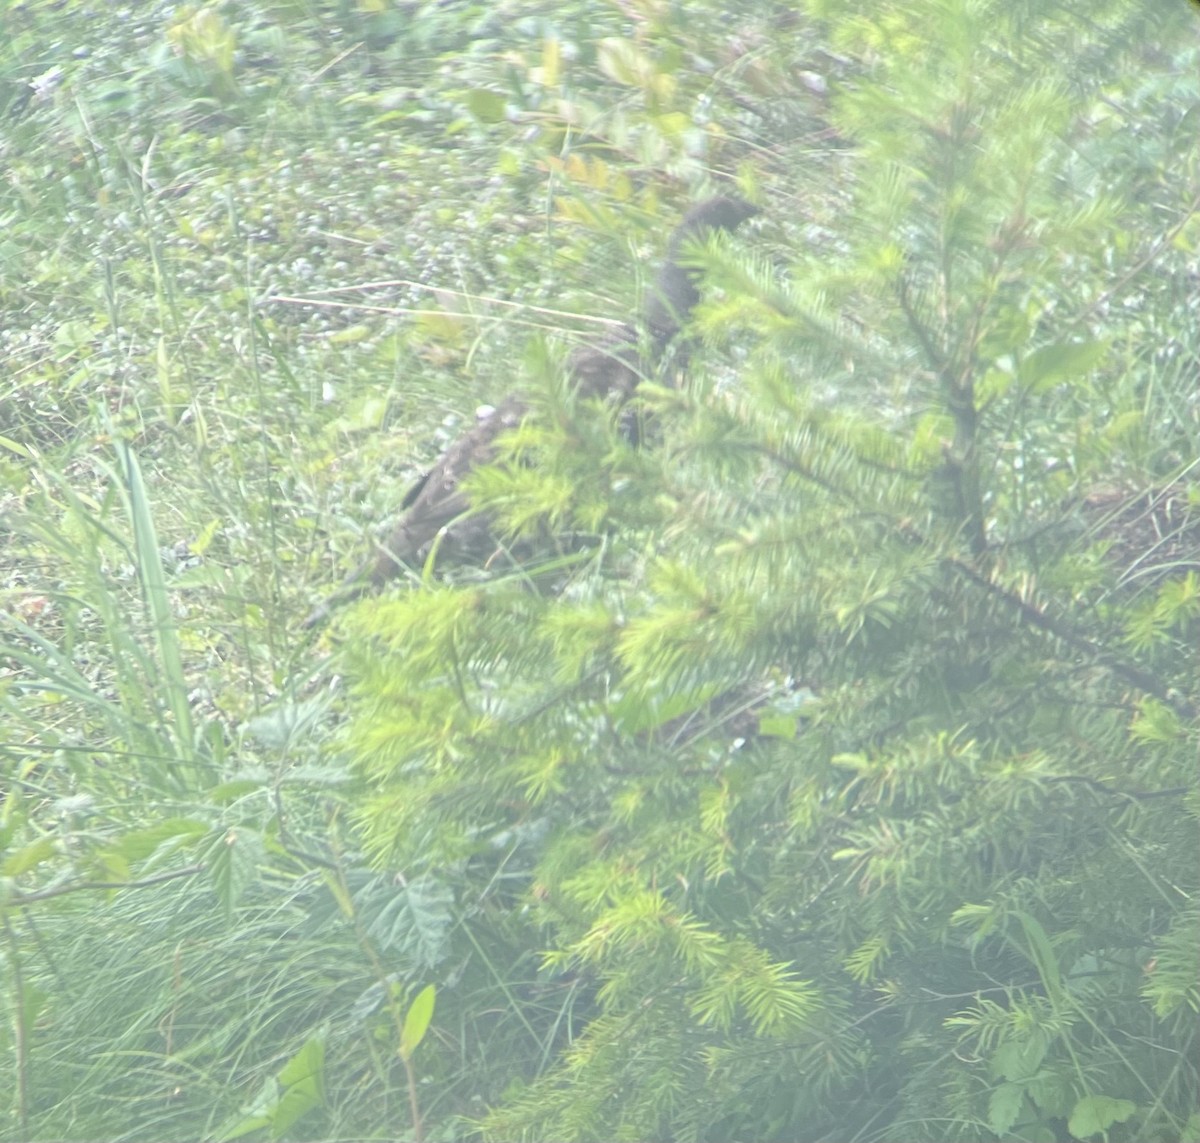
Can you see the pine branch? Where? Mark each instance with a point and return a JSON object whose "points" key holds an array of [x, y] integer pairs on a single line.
{"points": [[1043, 620]]}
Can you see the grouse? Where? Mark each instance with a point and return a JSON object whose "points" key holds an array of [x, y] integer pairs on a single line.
{"points": [[436, 512]]}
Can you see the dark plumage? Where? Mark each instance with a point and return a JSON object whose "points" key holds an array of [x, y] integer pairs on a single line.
{"points": [[674, 293], [435, 511]]}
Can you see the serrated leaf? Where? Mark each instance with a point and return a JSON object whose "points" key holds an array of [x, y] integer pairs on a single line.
{"points": [[1095, 1114], [414, 921], [1004, 1106], [1050, 1093], [1019, 1059], [1037, 1133], [234, 860], [279, 727]]}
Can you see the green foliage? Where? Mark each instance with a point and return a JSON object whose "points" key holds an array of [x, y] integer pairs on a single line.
{"points": [[286, 1099], [923, 908], [823, 768]]}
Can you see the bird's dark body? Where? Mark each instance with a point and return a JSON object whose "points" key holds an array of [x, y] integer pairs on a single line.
{"points": [[435, 513]]}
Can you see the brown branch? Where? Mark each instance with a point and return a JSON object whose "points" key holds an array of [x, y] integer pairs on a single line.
{"points": [[23, 899], [1052, 625], [1135, 795], [1138, 266]]}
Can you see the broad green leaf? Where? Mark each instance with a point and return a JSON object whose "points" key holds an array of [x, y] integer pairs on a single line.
{"points": [[1050, 1092], [777, 726], [414, 920], [28, 857], [350, 335], [139, 844], [302, 1087], [487, 106], [1037, 1133], [14, 446], [416, 1021], [1020, 1059], [1054, 363], [287, 1097], [1041, 952], [1004, 1106], [1095, 1114]]}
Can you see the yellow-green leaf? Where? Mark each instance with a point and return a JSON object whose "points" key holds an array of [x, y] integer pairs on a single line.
{"points": [[416, 1023]]}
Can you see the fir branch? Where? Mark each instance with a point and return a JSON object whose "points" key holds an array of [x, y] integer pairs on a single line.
{"points": [[1043, 620]]}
